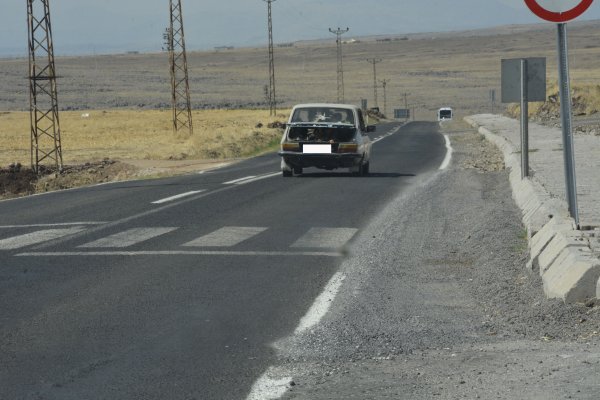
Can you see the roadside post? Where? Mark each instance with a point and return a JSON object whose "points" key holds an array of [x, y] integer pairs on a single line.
{"points": [[524, 80], [561, 12], [493, 99]]}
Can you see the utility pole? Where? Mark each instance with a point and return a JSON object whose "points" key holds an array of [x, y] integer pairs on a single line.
{"points": [[375, 61], [43, 98], [272, 97], [340, 64], [180, 87], [384, 83]]}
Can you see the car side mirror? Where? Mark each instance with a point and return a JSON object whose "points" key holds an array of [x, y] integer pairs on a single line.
{"points": [[371, 128]]}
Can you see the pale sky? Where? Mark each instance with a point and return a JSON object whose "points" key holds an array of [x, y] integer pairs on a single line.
{"points": [[106, 26]]}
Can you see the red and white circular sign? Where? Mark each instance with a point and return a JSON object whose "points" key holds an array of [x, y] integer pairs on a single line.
{"points": [[558, 10]]}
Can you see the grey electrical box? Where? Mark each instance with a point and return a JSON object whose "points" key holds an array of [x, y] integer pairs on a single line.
{"points": [[511, 79]]}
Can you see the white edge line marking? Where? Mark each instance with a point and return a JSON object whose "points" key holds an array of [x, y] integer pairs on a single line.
{"points": [[181, 253], [177, 197], [51, 225], [269, 388], [449, 152], [390, 133], [321, 304]]}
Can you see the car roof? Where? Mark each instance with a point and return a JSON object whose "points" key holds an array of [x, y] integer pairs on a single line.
{"points": [[324, 105]]}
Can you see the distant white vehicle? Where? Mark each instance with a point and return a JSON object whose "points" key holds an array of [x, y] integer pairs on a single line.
{"points": [[445, 114]]}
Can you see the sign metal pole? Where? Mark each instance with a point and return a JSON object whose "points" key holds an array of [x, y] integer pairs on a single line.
{"points": [[566, 116], [524, 121]]}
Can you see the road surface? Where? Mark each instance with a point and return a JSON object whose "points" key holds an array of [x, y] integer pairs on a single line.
{"points": [[176, 288]]}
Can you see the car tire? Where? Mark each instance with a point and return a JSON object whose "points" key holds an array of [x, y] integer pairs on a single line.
{"points": [[365, 168], [298, 171], [287, 174]]}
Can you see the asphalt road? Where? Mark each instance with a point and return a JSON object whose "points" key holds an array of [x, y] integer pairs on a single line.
{"points": [[125, 291]]}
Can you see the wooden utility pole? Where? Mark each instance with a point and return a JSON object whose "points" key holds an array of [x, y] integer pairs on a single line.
{"points": [[272, 97], [375, 61]]}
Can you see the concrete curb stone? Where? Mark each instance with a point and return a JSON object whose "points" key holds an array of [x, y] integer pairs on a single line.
{"points": [[561, 254]]}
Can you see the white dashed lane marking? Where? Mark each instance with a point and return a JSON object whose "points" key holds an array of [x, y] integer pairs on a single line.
{"points": [[325, 238], [177, 197], [252, 178], [28, 239], [226, 237], [318, 242], [128, 238]]}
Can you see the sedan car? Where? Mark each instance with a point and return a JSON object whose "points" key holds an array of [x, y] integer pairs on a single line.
{"points": [[326, 136]]}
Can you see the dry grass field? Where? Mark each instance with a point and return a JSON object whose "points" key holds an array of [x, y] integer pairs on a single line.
{"points": [[144, 135], [434, 70]]}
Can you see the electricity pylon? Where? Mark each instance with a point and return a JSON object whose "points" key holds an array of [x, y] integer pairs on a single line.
{"points": [[272, 97], [375, 61], [340, 63], [43, 98], [180, 87]]}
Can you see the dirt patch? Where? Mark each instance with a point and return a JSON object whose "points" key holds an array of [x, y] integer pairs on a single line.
{"points": [[16, 181]]}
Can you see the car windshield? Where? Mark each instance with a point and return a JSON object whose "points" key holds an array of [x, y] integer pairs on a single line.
{"points": [[329, 115]]}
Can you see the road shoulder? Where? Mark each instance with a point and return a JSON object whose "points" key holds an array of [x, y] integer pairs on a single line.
{"points": [[438, 304]]}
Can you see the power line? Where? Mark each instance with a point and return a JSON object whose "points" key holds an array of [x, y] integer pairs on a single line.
{"points": [[180, 87], [340, 63], [375, 61], [43, 98], [272, 97]]}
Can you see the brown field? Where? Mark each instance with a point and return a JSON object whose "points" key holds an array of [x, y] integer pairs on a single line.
{"points": [[446, 69], [144, 135]]}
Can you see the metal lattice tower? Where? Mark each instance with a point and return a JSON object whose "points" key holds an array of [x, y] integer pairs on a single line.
{"points": [[340, 63], [272, 97], [43, 99], [375, 61], [180, 87]]}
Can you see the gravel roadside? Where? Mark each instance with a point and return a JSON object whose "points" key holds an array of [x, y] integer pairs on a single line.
{"points": [[438, 304]]}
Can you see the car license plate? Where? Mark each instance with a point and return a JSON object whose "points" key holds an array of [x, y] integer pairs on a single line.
{"points": [[316, 149]]}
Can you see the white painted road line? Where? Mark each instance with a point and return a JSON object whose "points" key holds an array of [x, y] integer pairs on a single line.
{"points": [[234, 182], [177, 197], [449, 151], [388, 134], [128, 238], [269, 388], [29, 239], [51, 225], [330, 238], [253, 178], [226, 237], [182, 253], [321, 304]]}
